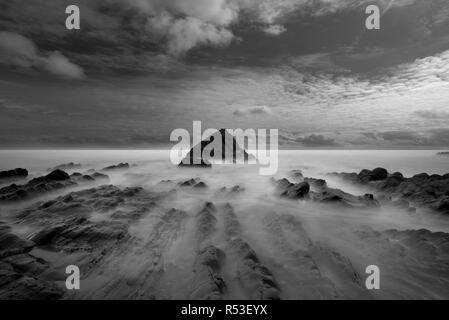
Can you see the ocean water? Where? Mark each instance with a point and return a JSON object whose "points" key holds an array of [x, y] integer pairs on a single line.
{"points": [[408, 162]]}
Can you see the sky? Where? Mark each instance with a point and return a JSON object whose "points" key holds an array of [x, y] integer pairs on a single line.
{"points": [[138, 69]]}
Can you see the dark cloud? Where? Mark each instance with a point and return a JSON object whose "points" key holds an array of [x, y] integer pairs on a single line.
{"points": [[317, 140], [16, 50], [400, 136], [229, 31]]}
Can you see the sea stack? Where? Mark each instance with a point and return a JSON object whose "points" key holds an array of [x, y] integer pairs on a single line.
{"points": [[225, 149]]}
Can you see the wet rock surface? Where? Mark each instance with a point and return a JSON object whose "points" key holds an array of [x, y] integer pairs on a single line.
{"points": [[149, 243]]}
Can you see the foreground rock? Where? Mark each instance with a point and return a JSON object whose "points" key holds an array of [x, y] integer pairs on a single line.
{"points": [[255, 278], [423, 190], [55, 180], [17, 173], [63, 225], [208, 283], [20, 271]]}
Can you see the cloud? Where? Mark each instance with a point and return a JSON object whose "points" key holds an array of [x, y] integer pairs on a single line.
{"points": [[429, 138], [184, 34], [274, 29], [256, 110], [19, 51]]}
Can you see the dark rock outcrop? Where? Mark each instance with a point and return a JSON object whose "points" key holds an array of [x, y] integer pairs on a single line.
{"points": [[53, 181], [285, 188], [337, 196], [422, 190], [323, 194], [17, 173]]}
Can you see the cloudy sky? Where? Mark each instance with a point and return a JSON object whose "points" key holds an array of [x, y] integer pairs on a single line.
{"points": [[137, 69]]}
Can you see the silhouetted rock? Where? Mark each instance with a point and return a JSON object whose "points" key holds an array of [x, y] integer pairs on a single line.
{"points": [[57, 175], [230, 151], [18, 173]]}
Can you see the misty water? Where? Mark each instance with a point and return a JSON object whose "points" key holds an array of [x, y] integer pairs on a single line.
{"points": [[313, 251]]}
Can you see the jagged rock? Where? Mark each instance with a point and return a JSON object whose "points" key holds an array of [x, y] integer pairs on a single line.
{"points": [[120, 166], [18, 173], [188, 183], [55, 180], [317, 184], [330, 195], [200, 185], [291, 190], [423, 190]]}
